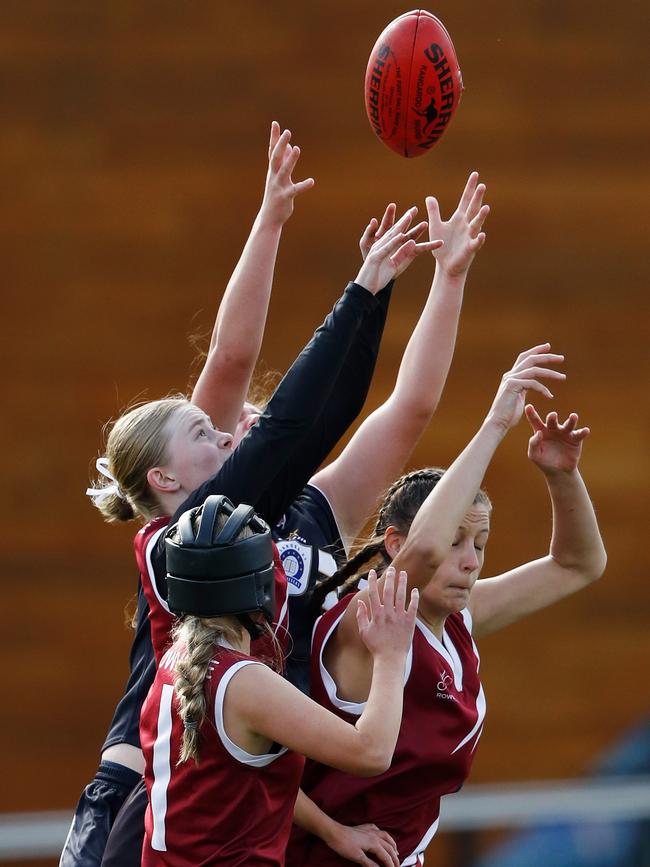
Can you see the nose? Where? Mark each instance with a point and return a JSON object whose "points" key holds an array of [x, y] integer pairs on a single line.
{"points": [[470, 561], [224, 440]]}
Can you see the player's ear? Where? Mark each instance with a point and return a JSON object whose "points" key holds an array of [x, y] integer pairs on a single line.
{"points": [[161, 480], [393, 541]]}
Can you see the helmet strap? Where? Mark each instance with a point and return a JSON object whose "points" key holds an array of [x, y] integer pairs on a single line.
{"points": [[254, 629]]}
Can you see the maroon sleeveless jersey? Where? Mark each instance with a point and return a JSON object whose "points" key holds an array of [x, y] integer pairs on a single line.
{"points": [[160, 617], [232, 808], [442, 721]]}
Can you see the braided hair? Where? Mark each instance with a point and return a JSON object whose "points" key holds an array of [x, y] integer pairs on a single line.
{"points": [[200, 637], [400, 505], [198, 640]]}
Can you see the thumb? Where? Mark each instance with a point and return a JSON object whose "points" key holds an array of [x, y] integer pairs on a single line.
{"points": [[433, 209], [362, 616], [301, 186]]}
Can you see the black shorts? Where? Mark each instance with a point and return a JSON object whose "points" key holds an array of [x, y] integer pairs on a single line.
{"points": [[124, 845], [98, 806]]}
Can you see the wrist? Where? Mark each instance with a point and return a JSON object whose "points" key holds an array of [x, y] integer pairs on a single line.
{"points": [[329, 831], [558, 478], [268, 221], [452, 276], [389, 661], [494, 427], [365, 284], [362, 284]]}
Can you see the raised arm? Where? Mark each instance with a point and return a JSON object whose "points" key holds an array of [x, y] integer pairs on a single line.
{"points": [[254, 472], [312, 379], [356, 478], [350, 390], [576, 556], [239, 328], [432, 532]]}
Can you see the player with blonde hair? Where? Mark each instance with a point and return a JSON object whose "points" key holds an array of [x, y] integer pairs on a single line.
{"points": [[224, 735]]}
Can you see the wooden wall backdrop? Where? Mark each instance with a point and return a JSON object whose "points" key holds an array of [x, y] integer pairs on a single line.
{"points": [[133, 148]]}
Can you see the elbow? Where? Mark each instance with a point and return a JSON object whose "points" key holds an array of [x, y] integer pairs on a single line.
{"points": [[424, 554], [371, 758], [421, 412], [414, 413], [594, 566], [236, 360], [586, 570], [597, 567], [417, 407], [372, 765], [375, 770]]}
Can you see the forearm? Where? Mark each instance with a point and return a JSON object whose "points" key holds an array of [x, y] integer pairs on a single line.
{"points": [[239, 329], [428, 355], [379, 724], [257, 473], [576, 543], [351, 389], [242, 312], [577, 557], [348, 393], [308, 816], [429, 352], [307, 385], [435, 524]]}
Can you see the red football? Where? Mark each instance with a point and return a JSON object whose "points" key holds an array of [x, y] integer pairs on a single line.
{"points": [[413, 83]]}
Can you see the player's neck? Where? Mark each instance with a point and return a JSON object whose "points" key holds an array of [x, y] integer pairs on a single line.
{"points": [[435, 622], [170, 502], [239, 641]]}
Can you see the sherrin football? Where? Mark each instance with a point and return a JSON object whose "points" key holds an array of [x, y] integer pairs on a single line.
{"points": [[413, 83]]}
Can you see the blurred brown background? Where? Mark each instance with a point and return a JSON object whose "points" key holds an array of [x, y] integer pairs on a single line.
{"points": [[133, 149]]}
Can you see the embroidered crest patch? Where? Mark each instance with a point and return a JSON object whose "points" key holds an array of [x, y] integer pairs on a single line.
{"points": [[296, 562]]}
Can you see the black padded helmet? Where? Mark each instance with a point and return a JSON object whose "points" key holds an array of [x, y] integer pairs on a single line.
{"points": [[212, 572]]}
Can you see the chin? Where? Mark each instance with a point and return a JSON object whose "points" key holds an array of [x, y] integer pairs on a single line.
{"points": [[458, 599]]}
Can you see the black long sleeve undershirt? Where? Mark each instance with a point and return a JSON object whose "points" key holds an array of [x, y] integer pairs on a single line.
{"points": [[254, 474], [346, 399]]}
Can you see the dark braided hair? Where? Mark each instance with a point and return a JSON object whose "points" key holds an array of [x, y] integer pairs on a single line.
{"points": [[400, 505]]}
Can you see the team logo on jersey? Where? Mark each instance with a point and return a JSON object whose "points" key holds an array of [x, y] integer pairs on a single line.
{"points": [[296, 562], [442, 686]]}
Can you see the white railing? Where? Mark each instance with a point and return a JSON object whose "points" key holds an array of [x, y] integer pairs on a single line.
{"points": [[41, 835]]}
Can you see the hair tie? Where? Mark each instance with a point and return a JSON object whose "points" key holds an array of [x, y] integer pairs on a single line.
{"points": [[190, 725], [99, 494]]}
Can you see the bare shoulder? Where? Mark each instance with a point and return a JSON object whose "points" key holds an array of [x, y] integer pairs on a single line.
{"points": [[346, 637], [345, 656], [251, 681]]}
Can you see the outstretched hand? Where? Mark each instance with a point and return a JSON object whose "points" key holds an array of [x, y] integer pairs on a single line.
{"points": [[462, 232], [280, 190], [390, 248], [555, 446], [388, 627], [375, 230], [508, 405]]}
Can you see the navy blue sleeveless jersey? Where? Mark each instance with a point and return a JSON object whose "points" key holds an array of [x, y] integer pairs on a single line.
{"points": [[311, 549], [125, 725]]}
